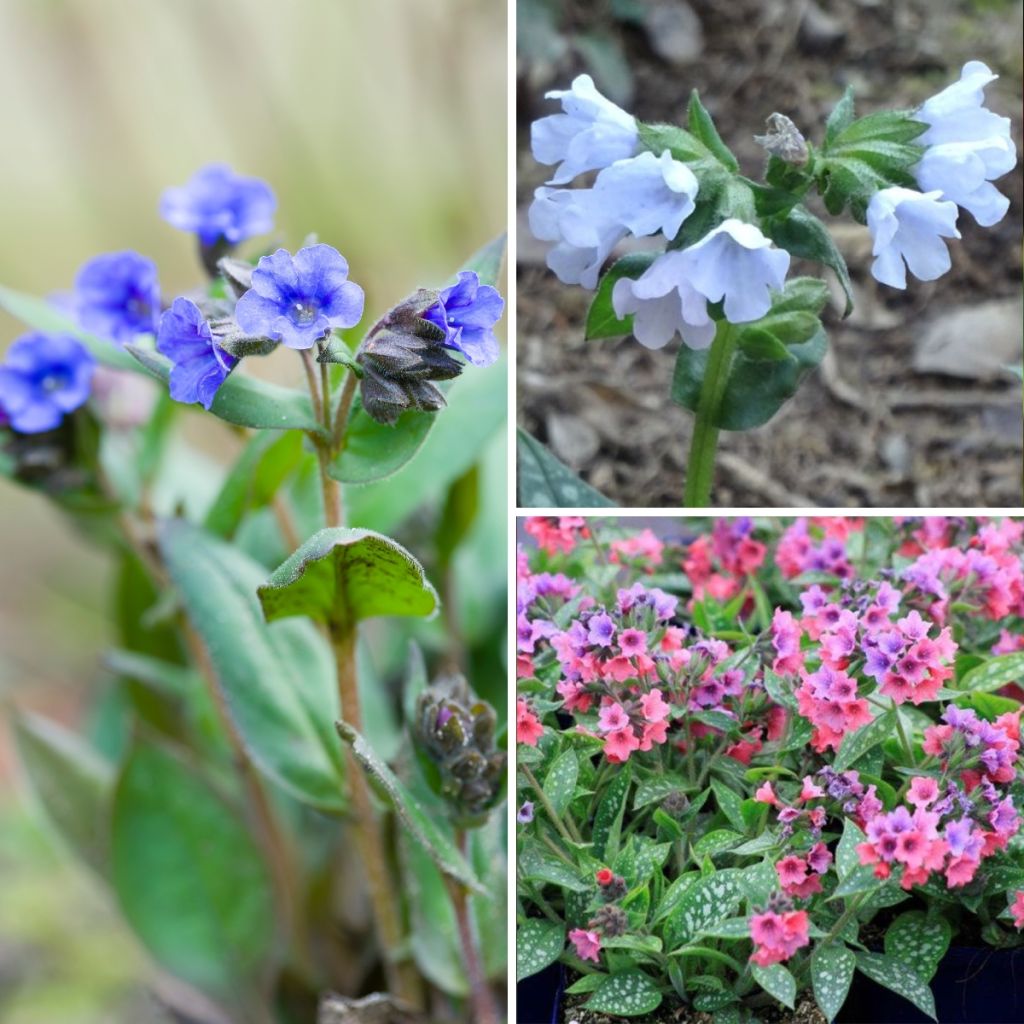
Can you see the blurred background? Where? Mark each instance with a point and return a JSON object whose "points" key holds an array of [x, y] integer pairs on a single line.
{"points": [[382, 128], [913, 405]]}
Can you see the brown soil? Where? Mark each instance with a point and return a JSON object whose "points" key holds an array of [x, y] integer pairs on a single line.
{"points": [[865, 429], [806, 1012]]}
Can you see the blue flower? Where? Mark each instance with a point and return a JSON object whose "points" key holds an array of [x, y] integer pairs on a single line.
{"points": [[219, 204], [468, 312], [44, 377], [200, 365], [299, 299], [117, 296]]}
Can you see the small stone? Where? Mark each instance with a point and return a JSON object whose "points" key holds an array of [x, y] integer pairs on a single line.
{"points": [[974, 342], [820, 32], [895, 452], [674, 31], [572, 439]]}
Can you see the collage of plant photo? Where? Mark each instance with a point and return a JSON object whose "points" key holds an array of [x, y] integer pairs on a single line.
{"points": [[644, 373]]}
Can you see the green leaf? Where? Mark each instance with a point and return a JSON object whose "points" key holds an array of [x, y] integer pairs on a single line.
{"points": [[461, 508], [703, 127], [608, 819], [190, 878], [988, 705], [374, 451], [716, 841], [710, 899], [728, 928], [242, 400], [428, 832], [847, 860], [898, 978], [657, 787], [544, 482], [680, 143], [560, 782], [919, 941], [278, 681], [72, 783], [840, 119], [626, 994], [343, 576], [856, 744], [586, 983], [994, 673], [539, 942], [535, 864], [601, 319], [487, 261], [757, 343], [777, 982], [832, 968], [260, 471], [806, 237], [756, 389]]}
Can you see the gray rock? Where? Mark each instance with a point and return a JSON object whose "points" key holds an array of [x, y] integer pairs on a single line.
{"points": [[572, 439], [974, 342], [820, 31], [674, 31]]}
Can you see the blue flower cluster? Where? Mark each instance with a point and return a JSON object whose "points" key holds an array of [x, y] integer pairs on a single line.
{"points": [[294, 300]]}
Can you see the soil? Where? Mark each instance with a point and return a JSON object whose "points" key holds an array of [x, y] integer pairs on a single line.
{"points": [[865, 429]]}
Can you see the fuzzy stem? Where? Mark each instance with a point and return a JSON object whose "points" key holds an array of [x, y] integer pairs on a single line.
{"points": [[402, 977], [484, 1011], [546, 804], [700, 467], [908, 750], [348, 393]]}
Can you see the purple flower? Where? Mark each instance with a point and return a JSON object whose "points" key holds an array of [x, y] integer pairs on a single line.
{"points": [[299, 299], [525, 813], [219, 204], [43, 377], [602, 629], [468, 312], [117, 296], [200, 365]]}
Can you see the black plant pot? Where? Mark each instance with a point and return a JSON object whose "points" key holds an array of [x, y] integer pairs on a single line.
{"points": [[971, 986], [539, 997]]}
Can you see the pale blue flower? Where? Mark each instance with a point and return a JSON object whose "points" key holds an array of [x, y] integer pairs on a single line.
{"points": [[968, 146], [583, 235], [734, 262], [592, 133], [908, 227], [737, 263], [647, 194]]}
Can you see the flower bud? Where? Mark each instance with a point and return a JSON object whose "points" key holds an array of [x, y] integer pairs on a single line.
{"points": [[610, 922], [676, 803], [784, 141], [455, 732], [400, 356]]}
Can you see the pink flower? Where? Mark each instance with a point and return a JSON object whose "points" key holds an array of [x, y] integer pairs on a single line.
{"points": [[528, 727], [810, 790], [923, 791], [632, 642], [778, 936], [786, 635], [1017, 909], [612, 718], [620, 744], [653, 732], [654, 708], [819, 858], [575, 696], [587, 943], [766, 795]]}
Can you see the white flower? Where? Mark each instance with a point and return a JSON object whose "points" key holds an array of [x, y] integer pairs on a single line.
{"points": [[664, 302], [956, 114], [737, 263], [584, 238], [909, 226], [734, 262], [647, 194], [968, 146], [961, 171], [592, 133]]}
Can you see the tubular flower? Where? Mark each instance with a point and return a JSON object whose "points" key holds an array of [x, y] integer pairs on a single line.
{"points": [[117, 296], [44, 377], [591, 133], [200, 364], [218, 204], [908, 227]]}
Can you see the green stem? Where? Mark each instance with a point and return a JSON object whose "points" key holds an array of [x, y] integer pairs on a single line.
{"points": [[907, 748], [546, 804], [700, 467]]}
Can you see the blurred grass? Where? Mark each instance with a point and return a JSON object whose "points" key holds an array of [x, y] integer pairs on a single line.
{"points": [[381, 127]]}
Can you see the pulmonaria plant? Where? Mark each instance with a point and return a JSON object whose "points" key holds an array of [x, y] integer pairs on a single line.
{"points": [[757, 759], [719, 281], [241, 669]]}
